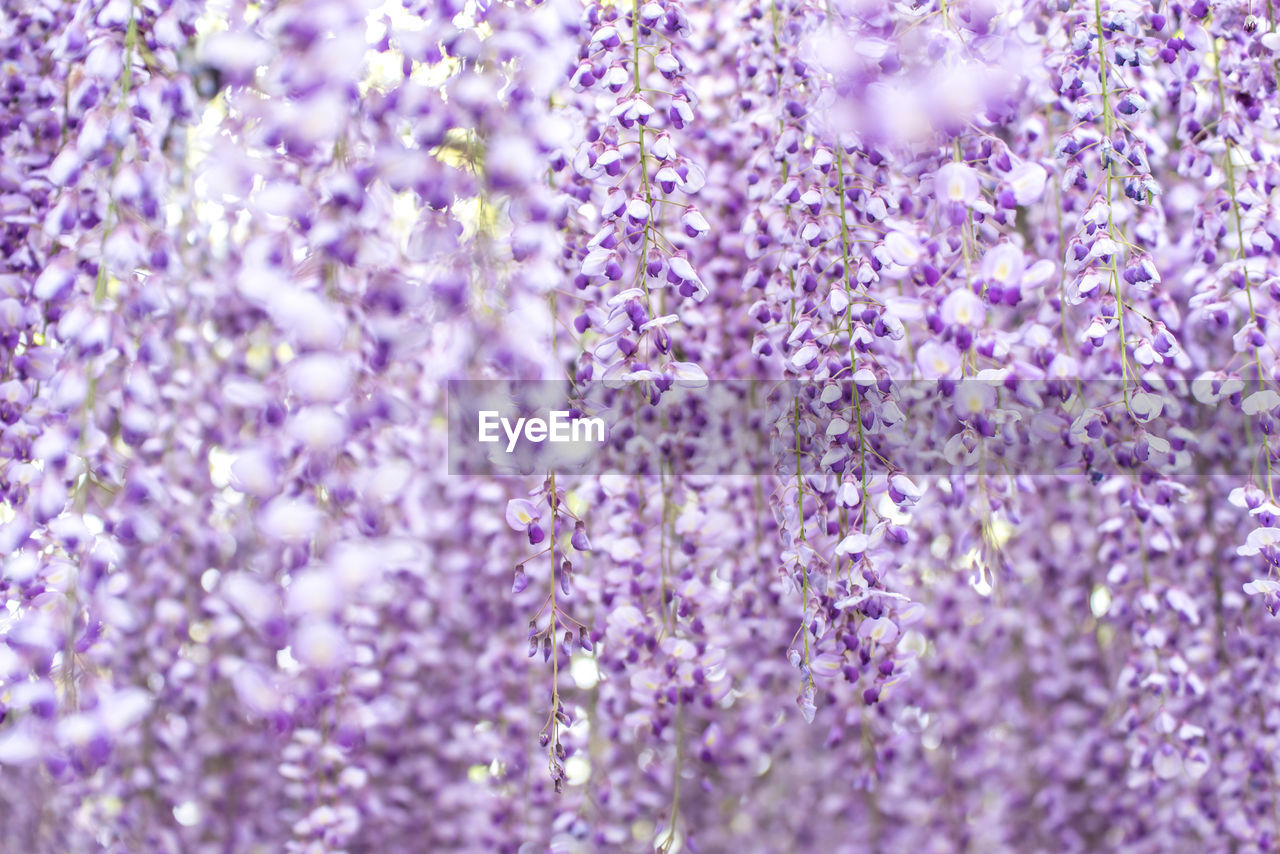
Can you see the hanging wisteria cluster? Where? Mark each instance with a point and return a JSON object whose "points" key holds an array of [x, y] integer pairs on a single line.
{"points": [[251, 605]]}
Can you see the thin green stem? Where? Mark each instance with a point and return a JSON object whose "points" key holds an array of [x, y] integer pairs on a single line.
{"points": [[804, 569], [1115, 275], [555, 640], [644, 168], [1230, 170], [853, 353]]}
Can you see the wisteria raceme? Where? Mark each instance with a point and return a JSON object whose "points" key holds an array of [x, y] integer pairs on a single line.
{"points": [[933, 348]]}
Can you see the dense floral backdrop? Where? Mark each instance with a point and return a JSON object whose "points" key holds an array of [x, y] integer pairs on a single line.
{"points": [[248, 608]]}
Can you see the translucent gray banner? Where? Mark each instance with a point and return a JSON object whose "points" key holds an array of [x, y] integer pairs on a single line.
{"points": [[756, 427]]}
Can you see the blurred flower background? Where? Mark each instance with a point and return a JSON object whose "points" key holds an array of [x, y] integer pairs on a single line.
{"points": [[247, 608]]}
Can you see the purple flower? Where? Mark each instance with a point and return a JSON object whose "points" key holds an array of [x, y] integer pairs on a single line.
{"points": [[956, 183], [522, 514]]}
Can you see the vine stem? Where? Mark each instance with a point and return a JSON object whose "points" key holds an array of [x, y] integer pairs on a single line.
{"points": [[91, 394], [853, 353], [804, 569], [675, 782], [643, 165], [1230, 169], [1115, 275], [669, 617], [555, 640]]}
